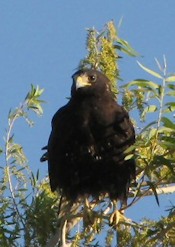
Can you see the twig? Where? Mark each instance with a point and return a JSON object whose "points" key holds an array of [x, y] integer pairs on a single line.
{"points": [[8, 136]]}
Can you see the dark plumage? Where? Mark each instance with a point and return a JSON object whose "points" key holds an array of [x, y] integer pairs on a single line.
{"points": [[88, 139]]}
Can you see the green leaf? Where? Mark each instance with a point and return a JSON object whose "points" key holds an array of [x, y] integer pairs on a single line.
{"points": [[35, 93], [126, 47], [129, 156], [167, 145], [170, 79], [171, 86], [149, 71], [170, 106], [152, 186], [169, 110], [166, 130], [148, 126], [143, 83], [152, 133], [148, 109], [168, 123], [172, 93], [131, 53]]}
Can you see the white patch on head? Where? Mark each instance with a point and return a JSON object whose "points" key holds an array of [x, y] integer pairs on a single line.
{"points": [[107, 88]]}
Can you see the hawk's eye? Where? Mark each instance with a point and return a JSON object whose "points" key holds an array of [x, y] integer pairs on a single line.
{"points": [[92, 78]]}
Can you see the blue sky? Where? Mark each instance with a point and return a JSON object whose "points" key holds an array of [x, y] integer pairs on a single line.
{"points": [[42, 42]]}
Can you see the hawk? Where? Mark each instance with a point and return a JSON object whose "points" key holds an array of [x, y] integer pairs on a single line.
{"points": [[89, 137]]}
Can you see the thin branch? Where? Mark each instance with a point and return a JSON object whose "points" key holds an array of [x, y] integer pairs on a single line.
{"points": [[7, 156]]}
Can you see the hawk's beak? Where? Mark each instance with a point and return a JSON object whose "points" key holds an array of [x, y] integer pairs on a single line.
{"points": [[82, 81]]}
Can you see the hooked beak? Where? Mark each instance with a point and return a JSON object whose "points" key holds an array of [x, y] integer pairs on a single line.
{"points": [[82, 81]]}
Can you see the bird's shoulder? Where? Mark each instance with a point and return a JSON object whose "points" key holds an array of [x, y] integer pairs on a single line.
{"points": [[107, 110], [61, 115]]}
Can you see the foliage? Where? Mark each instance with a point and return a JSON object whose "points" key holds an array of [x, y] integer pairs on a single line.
{"points": [[103, 52], [29, 211], [22, 197]]}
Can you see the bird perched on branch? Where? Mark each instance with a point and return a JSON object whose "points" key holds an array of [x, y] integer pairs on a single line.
{"points": [[87, 144]]}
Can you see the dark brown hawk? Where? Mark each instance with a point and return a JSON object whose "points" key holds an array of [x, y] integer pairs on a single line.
{"points": [[89, 137]]}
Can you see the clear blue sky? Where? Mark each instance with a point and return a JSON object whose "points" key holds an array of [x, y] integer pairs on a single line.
{"points": [[42, 42]]}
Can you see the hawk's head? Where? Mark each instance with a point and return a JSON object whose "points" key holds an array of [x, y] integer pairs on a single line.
{"points": [[89, 81]]}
